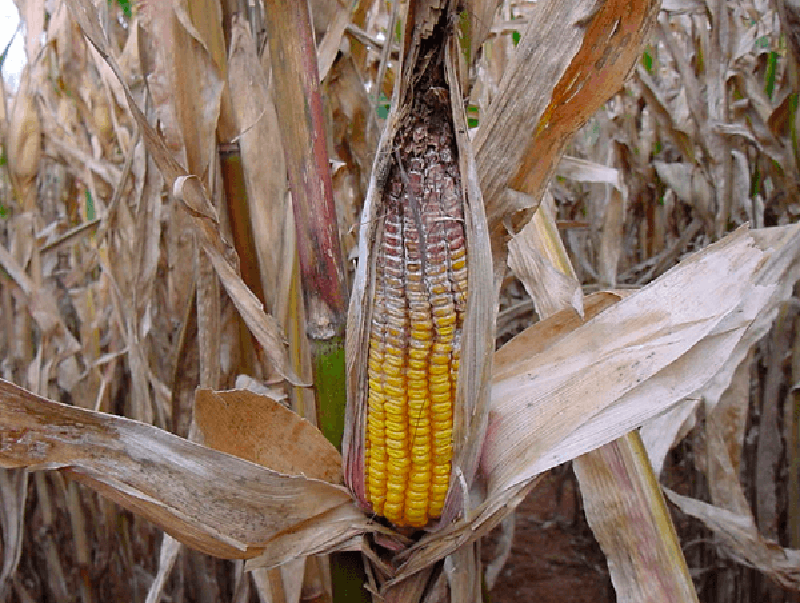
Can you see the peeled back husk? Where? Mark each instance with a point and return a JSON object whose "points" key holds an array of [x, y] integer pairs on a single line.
{"points": [[472, 385]]}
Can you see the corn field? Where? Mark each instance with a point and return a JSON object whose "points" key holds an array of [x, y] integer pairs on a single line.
{"points": [[246, 245]]}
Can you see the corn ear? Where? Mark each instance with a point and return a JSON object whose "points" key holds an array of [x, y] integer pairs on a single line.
{"points": [[420, 328]]}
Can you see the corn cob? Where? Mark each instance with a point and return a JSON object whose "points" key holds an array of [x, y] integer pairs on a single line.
{"points": [[417, 317]]}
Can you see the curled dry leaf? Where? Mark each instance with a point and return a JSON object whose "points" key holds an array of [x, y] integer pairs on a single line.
{"points": [[216, 503], [189, 190], [576, 391], [261, 430], [571, 59], [535, 254], [740, 538]]}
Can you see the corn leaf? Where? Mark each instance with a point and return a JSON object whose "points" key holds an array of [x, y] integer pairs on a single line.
{"points": [[210, 500]]}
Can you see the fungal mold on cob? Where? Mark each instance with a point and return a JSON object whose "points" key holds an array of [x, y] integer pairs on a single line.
{"points": [[417, 311]]}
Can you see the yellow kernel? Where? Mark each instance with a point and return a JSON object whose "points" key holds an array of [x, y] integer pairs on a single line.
{"points": [[420, 477], [437, 388], [393, 358], [393, 390], [391, 370], [395, 382], [441, 422], [417, 384], [441, 354], [445, 333], [439, 489], [438, 399], [416, 500], [397, 457], [420, 348], [393, 510], [376, 477], [395, 445], [421, 455], [416, 521], [443, 435], [416, 373]]}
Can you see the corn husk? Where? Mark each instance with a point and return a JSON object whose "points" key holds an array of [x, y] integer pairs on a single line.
{"points": [[24, 141], [471, 404]]}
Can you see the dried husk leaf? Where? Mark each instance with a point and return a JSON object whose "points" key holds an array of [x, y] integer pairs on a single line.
{"points": [[214, 502], [478, 332], [263, 431], [630, 363]]}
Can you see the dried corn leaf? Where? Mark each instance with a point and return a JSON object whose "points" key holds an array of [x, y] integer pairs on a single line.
{"points": [[265, 172], [629, 364], [572, 57], [190, 49], [662, 433], [630, 521], [166, 561], [14, 486], [34, 23], [263, 431], [627, 354], [196, 203], [340, 529], [582, 170], [212, 501], [328, 48], [739, 535], [536, 255]]}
